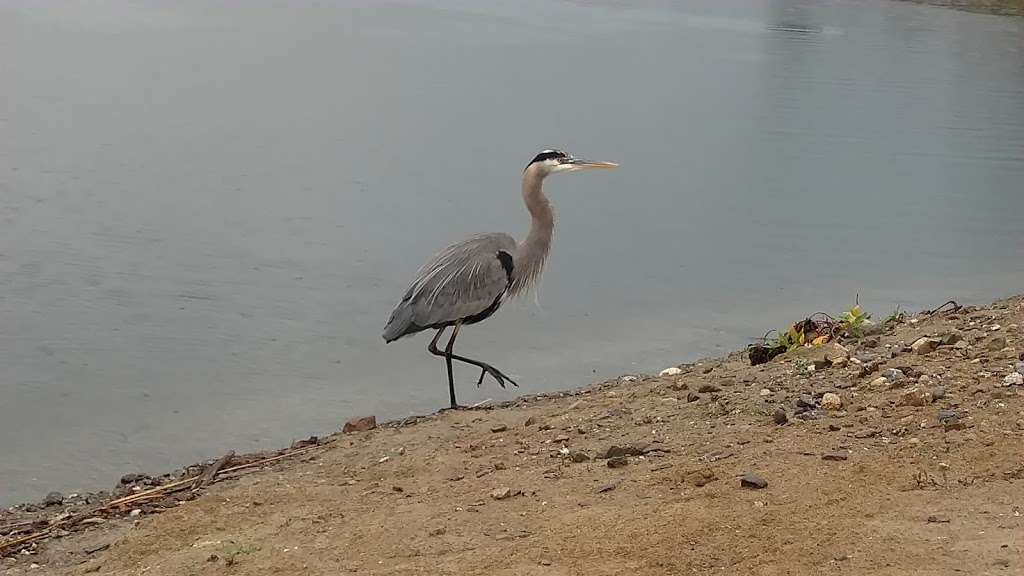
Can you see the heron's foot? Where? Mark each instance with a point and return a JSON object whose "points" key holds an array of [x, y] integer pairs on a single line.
{"points": [[498, 376]]}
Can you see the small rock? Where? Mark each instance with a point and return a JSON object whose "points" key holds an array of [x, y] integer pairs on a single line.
{"points": [[361, 424], [765, 392], [753, 481], [893, 374], [627, 450], [134, 478], [1001, 562], [671, 371], [578, 456], [1014, 379], [135, 513], [840, 362], [924, 346], [780, 417], [618, 462], [835, 456], [708, 388], [1020, 368], [938, 519], [834, 428], [996, 344], [499, 428], [914, 397], [439, 531], [530, 421], [949, 339], [831, 401], [53, 499], [950, 419], [938, 393], [701, 478], [501, 493], [545, 562], [692, 396], [880, 382], [609, 486], [805, 401]]}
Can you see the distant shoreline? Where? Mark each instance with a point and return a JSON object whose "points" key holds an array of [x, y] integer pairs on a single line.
{"points": [[997, 7]]}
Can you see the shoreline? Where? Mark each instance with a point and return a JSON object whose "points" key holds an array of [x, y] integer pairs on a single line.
{"points": [[624, 424], [993, 7]]}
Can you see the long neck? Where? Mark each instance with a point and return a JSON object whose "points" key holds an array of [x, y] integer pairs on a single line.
{"points": [[533, 251]]}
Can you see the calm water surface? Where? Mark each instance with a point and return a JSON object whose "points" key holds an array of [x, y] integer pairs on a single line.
{"points": [[208, 209]]}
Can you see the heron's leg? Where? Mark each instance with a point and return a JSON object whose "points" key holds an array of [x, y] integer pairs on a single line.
{"points": [[432, 348], [484, 367], [448, 362]]}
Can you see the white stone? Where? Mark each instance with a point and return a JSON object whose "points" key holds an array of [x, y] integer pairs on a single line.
{"points": [[765, 392], [671, 371], [831, 401], [1014, 379]]}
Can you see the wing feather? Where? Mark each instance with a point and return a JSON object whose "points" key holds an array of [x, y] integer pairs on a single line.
{"points": [[460, 281]]}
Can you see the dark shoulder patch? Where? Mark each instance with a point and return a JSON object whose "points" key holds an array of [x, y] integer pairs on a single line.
{"points": [[506, 263]]}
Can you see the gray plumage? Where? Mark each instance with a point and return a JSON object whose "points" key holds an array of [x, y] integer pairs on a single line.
{"points": [[461, 281], [468, 281]]}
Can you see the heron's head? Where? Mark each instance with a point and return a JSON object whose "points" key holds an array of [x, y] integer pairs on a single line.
{"points": [[554, 161]]}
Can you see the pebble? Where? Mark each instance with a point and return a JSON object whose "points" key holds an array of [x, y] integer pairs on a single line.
{"points": [[671, 371], [1020, 368], [924, 346], [618, 462], [780, 417], [1014, 379], [753, 481], [950, 339], [609, 486], [692, 396], [701, 478], [879, 382], [501, 493], [893, 374], [53, 499], [439, 531], [135, 513], [938, 519], [914, 397], [708, 388], [765, 392], [133, 478], [831, 401], [938, 393], [835, 456], [361, 424], [997, 343], [499, 428]]}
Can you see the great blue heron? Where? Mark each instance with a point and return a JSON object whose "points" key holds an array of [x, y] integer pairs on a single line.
{"points": [[467, 281]]}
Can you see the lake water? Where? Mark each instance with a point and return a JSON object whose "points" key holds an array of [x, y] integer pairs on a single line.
{"points": [[208, 209]]}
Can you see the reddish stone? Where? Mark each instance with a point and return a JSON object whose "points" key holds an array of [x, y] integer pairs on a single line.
{"points": [[361, 424]]}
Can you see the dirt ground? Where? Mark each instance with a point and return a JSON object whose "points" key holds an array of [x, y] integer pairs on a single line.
{"points": [[919, 474]]}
